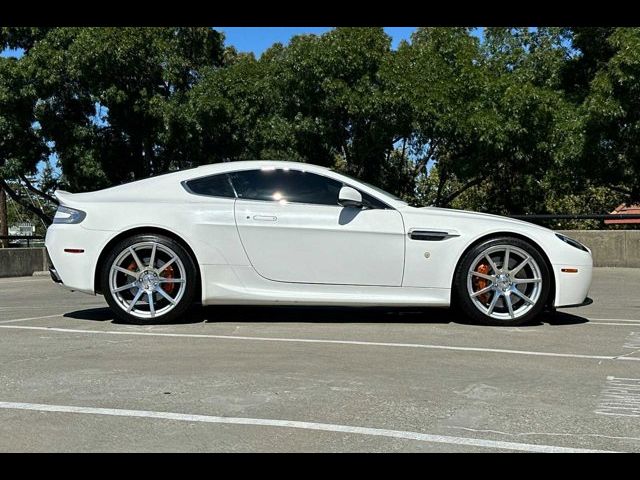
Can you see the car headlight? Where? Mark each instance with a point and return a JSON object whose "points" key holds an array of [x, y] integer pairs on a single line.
{"points": [[572, 242], [68, 215]]}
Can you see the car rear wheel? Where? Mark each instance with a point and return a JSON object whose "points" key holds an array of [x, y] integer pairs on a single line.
{"points": [[149, 279], [504, 281]]}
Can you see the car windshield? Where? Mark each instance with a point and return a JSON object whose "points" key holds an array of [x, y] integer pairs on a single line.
{"points": [[373, 187]]}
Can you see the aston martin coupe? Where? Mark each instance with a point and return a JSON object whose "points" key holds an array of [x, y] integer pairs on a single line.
{"points": [[286, 233]]}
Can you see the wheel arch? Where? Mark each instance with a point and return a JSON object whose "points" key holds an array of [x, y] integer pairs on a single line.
{"points": [[142, 231], [492, 235]]}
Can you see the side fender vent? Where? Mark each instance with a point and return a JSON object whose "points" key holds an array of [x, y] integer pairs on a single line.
{"points": [[430, 235]]}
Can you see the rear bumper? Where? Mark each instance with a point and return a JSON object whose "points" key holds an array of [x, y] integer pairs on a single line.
{"points": [[72, 268], [54, 275]]}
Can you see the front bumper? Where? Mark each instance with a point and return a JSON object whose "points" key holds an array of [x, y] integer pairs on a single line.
{"points": [[587, 301], [572, 288]]}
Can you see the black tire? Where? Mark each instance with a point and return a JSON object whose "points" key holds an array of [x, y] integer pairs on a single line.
{"points": [[186, 262], [462, 297]]}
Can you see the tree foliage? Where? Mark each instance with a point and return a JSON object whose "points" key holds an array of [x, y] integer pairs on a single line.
{"points": [[22, 146], [612, 110], [521, 120]]}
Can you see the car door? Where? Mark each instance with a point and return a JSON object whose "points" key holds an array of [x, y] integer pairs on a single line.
{"points": [[293, 230]]}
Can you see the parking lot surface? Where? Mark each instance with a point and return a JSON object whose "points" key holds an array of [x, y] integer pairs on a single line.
{"points": [[243, 379]]}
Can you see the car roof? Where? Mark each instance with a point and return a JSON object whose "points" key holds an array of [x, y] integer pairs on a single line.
{"points": [[251, 164]]}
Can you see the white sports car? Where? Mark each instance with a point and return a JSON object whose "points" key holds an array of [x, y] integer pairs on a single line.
{"points": [[268, 233]]}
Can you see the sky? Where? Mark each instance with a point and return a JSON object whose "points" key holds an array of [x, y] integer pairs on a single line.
{"points": [[10, 53], [258, 39]]}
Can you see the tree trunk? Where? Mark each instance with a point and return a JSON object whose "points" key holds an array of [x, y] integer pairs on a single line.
{"points": [[4, 221], [447, 200], [441, 182]]}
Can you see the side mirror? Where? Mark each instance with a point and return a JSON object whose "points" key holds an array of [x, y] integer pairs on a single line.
{"points": [[350, 197]]}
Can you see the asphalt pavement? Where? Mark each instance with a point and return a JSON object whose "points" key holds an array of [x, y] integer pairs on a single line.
{"points": [[281, 379]]}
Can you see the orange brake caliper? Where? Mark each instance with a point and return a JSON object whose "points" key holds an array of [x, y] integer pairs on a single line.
{"points": [[480, 283], [168, 273]]}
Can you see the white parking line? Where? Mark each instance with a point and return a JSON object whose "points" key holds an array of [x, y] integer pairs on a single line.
{"points": [[336, 342], [15, 320], [30, 307], [326, 427], [615, 319], [614, 324]]}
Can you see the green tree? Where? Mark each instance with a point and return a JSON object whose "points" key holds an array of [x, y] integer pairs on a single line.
{"points": [[437, 80], [611, 154], [235, 113], [526, 118], [338, 100], [321, 99], [591, 50], [21, 37], [21, 144], [486, 114], [109, 98]]}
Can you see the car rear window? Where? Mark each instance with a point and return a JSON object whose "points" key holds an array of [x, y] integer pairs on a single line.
{"points": [[212, 186]]}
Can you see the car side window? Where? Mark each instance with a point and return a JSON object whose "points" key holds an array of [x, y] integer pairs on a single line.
{"points": [[286, 185], [213, 186]]}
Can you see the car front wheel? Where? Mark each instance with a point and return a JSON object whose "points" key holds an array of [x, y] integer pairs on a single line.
{"points": [[149, 279], [504, 281]]}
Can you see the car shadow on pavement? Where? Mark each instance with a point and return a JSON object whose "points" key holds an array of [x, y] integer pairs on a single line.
{"points": [[105, 315], [325, 314], [562, 318], [322, 314]]}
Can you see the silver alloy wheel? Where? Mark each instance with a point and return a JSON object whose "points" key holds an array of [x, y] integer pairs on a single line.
{"points": [[147, 279], [510, 287]]}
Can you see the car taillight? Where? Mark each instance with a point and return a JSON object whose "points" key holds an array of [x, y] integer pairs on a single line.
{"points": [[68, 215]]}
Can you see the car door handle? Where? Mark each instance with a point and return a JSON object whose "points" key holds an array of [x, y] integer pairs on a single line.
{"points": [[265, 218]]}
